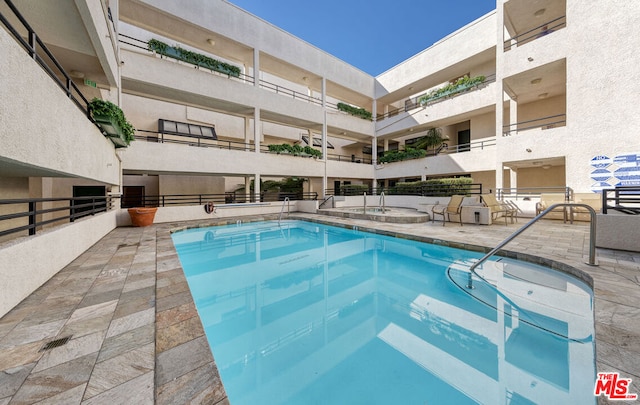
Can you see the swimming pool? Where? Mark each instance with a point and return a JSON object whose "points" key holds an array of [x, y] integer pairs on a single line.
{"points": [[308, 313]]}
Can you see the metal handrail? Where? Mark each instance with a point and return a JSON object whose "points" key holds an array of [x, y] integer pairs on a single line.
{"points": [[592, 238], [381, 202], [333, 201], [286, 200]]}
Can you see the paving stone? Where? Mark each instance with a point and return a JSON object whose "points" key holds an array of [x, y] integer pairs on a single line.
{"points": [[181, 359], [175, 315], [55, 380], [139, 391], [12, 379], [124, 342], [72, 396], [22, 334], [120, 369], [15, 356], [75, 348], [133, 321], [178, 333], [202, 386]]}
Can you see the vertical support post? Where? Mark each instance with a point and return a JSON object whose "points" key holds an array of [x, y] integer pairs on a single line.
{"points": [[32, 218]]}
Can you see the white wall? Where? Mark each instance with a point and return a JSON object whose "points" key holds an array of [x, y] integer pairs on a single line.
{"points": [[34, 260]]}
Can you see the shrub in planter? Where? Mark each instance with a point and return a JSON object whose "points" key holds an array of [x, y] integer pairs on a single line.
{"points": [[112, 121]]}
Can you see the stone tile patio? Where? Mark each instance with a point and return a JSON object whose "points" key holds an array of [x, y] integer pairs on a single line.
{"points": [[136, 338]]}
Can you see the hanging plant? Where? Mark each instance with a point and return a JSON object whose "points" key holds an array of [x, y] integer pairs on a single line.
{"points": [[112, 121], [355, 111]]}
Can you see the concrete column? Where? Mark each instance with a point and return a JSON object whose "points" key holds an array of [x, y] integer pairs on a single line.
{"points": [[257, 125], [513, 113], [256, 186], [386, 145], [513, 178], [323, 89], [256, 67], [247, 130], [499, 88], [247, 188], [374, 150]]}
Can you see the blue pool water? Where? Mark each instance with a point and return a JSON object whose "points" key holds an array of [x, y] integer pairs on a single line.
{"points": [[302, 313]]}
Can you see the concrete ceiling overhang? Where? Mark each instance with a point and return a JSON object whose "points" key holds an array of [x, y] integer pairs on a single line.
{"points": [[451, 120], [13, 168], [60, 25], [431, 80], [545, 81], [524, 15]]}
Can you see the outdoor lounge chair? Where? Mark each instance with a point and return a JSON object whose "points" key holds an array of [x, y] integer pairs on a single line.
{"points": [[499, 208], [454, 207]]}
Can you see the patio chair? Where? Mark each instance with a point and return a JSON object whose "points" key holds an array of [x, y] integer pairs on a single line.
{"points": [[454, 207], [498, 208]]}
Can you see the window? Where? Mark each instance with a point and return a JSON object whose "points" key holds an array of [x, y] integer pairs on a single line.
{"points": [[316, 142], [185, 129]]}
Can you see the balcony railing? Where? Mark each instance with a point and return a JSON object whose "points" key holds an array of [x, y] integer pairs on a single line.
{"points": [[535, 33], [29, 215], [428, 190], [543, 123], [233, 197], [466, 147], [208, 142], [39, 52], [413, 102], [624, 199]]}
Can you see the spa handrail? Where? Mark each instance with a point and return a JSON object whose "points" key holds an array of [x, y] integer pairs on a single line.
{"points": [[592, 238], [381, 202], [365, 202]]}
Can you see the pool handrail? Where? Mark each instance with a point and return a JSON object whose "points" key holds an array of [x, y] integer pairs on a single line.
{"points": [[284, 202], [592, 238], [381, 202]]}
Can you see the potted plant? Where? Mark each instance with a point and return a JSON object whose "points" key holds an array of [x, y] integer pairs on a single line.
{"points": [[142, 216], [112, 121]]}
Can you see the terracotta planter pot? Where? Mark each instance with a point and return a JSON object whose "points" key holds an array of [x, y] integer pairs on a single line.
{"points": [[142, 216]]}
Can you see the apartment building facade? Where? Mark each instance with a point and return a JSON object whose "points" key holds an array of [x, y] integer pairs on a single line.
{"points": [[550, 100]]}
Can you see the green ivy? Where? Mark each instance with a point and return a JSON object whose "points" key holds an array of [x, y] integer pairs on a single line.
{"points": [[460, 85], [399, 155], [295, 150], [108, 109], [355, 111], [193, 58]]}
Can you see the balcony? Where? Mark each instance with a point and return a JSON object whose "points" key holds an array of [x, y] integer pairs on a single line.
{"points": [[540, 124], [434, 97]]}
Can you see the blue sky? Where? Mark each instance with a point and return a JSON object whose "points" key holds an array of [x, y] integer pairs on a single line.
{"points": [[371, 35]]}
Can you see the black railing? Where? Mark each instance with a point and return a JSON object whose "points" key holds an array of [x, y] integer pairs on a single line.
{"points": [[552, 121], [208, 142], [413, 102], [350, 158], [192, 140], [535, 33], [624, 199], [427, 190], [221, 198], [41, 54], [29, 215]]}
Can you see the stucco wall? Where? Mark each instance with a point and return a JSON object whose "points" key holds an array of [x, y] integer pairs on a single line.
{"points": [[43, 128], [34, 260]]}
